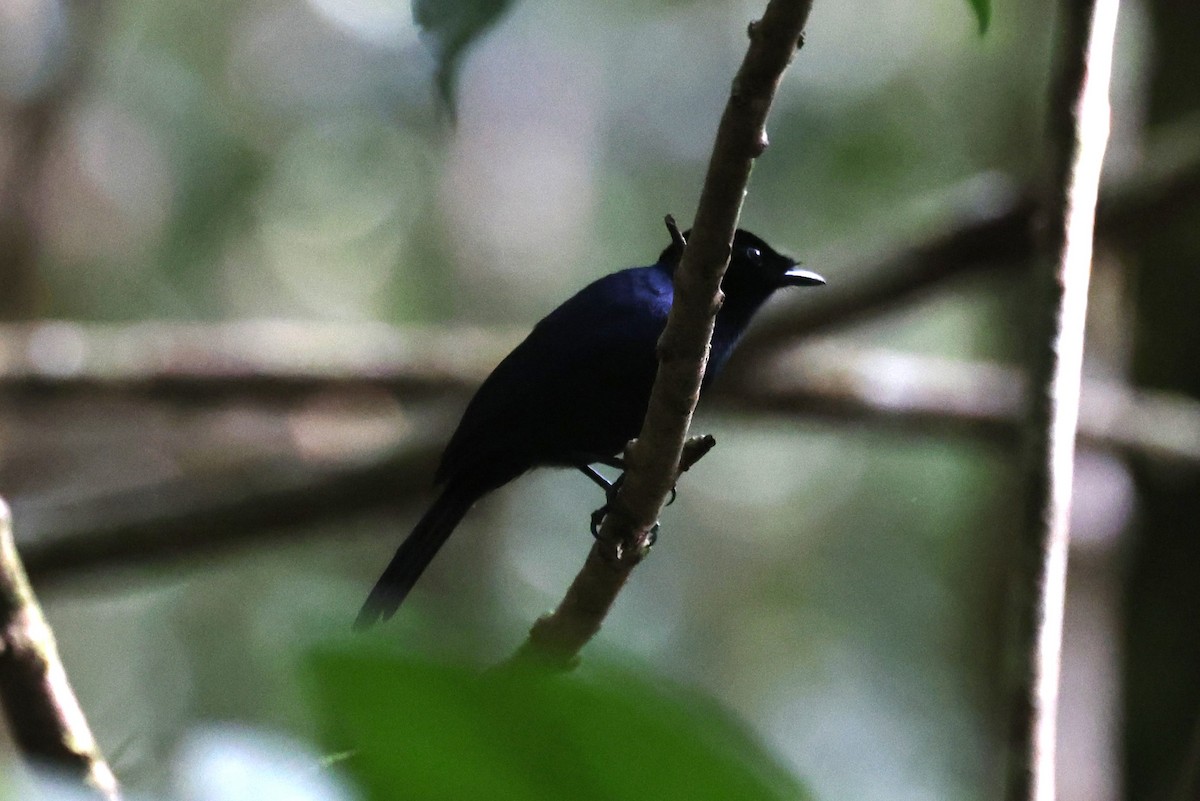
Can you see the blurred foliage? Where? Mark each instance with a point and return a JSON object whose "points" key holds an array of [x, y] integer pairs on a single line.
{"points": [[983, 13], [837, 589], [453, 26], [442, 731]]}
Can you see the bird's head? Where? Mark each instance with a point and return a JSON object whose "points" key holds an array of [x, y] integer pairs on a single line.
{"points": [[754, 266]]}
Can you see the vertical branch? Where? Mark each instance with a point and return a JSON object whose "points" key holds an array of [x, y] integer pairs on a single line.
{"points": [[18, 239], [34, 127], [1078, 124], [42, 711], [654, 457]]}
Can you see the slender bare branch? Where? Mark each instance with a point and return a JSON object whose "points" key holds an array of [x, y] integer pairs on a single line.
{"points": [[985, 233], [1078, 133], [278, 361], [653, 459], [271, 359], [43, 713], [934, 396]]}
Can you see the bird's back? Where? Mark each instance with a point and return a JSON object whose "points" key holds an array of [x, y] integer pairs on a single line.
{"points": [[578, 385]]}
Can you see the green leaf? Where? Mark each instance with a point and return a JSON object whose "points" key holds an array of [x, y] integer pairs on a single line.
{"points": [[983, 13], [452, 26], [420, 730]]}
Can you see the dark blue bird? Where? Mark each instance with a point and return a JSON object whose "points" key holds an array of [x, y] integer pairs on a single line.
{"points": [[575, 391]]}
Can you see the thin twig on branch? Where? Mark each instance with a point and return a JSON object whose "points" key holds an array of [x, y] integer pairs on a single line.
{"points": [[42, 711], [653, 459], [1078, 124]]}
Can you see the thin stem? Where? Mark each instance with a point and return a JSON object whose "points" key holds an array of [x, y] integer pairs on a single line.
{"points": [[43, 713], [1078, 133]]}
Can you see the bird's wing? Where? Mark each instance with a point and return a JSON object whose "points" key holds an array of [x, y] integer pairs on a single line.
{"points": [[578, 384]]}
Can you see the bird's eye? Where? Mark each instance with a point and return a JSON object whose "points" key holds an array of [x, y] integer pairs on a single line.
{"points": [[754, 255]]}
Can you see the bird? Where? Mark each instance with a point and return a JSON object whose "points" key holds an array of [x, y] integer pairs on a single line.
{"points": [[575, 391]]}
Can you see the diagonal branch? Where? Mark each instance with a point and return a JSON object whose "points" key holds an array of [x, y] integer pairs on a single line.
{"points": [[42, 710], [1078, 121], [983, 234], [653, 459], [978, 238], [32, 135]]}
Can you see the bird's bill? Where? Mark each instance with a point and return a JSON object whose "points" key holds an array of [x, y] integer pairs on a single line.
{"points": [[798, 277]]}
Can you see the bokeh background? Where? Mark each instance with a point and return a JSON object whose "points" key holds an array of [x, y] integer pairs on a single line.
{"points": [[835, 582]]}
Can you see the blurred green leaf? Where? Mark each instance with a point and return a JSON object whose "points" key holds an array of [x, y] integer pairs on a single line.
{"points": [[453, 25], [983, 13], [422, 730]]}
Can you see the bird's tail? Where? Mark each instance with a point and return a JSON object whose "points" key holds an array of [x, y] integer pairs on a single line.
{"points": [[415, 553]]}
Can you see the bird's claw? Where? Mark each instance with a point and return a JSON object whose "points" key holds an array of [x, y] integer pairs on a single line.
{"points": [[601, 513], [598, 520], [610, 498]]}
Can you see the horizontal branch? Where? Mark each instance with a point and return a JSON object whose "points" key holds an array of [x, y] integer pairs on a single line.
{"points": [[936, 396], [278, 358], [271, 359], [282, 360], [181, 518], [905, 393]]}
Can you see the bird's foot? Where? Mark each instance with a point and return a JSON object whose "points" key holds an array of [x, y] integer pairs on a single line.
{"points": [[610, 500], [601, 513], [598, 520], [598, 516]]}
